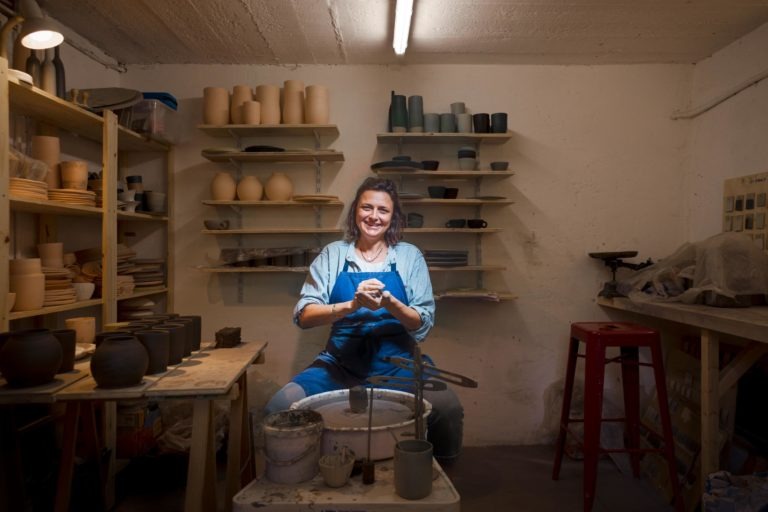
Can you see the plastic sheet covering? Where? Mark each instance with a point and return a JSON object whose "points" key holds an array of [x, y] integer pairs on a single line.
{"points": [[721, 270], [729, 493]]}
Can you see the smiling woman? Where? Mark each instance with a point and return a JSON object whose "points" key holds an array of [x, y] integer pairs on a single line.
{"points": [[375, 291]]}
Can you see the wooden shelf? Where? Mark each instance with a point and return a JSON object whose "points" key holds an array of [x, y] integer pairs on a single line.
{"points": [[143, 293], [442, 138], [266, 269], [477, 296], [52, 207], [55, 309], [273, 231], [128, 140], [474, 231], [455, 202], [142, 216], [211, 202], [445, 174], [278, 157], [267, 130], [469, 268]]}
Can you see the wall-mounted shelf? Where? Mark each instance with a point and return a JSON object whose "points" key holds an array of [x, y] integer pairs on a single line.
{"points": [[445, 174], [142, 216], [277, 157], [469, 268], [55, 309], [475, 295], [456, 202], [254, 270], [212, 202], [265, 130], [273, 231], [143, 293], [443, 138], [436, 231]]}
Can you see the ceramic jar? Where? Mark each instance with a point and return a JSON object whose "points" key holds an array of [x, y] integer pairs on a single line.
{"points": [[74, 174], [293, 102], [29, 290], [269, 98], [51, 254], [317, 109], [215, 106], [223, 187], [118, 362], [157, 345], [48, 149], [279, 187], [176, 340], [250, 113], [249, 189], [30, 357], [398, 114], [240, 94]]}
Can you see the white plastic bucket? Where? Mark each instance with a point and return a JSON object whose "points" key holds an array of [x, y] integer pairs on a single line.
{"points": [[292, 445]]}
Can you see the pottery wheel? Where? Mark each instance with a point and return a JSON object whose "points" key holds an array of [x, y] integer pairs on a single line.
{"points": [[385, 413]]}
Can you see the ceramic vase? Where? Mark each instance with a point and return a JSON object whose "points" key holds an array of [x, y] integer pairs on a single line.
{"points": [[157, 344], [293, 102], [33, 68], [249, 189], [61, 81], [48, 149], [415, 114], [29, 290], [279, 187], [317, 107], [68, 343], [51, 254], [197, 329], [240, 94], [30, 358], [250, 113], [269, 98], [118, 362], [398, 114], [176, 342], [48, 73], [223, 187], [215, 106]]}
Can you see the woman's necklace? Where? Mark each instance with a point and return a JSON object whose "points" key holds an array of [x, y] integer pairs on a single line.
{"points": [[372, 258]]}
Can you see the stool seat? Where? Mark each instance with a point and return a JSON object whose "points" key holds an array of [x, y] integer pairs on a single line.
{"points": [[628, 337]]}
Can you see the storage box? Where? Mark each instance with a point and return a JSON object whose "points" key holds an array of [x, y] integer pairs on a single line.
{"points": [[151, 117], [137, 431]]}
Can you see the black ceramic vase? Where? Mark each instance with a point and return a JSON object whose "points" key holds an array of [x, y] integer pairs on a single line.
{"points": [[30, 358], [197, 328], [61, 82], [68, 340], [398, 114], [176, 341], [157, 343], [119, 362]]}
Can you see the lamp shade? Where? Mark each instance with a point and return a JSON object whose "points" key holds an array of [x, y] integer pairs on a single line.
{"points": [[38, 34]]}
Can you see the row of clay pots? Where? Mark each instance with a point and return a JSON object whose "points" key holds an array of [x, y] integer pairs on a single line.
{"points": [[33, 357], [279, 187], [72, 174], [265, 105]]}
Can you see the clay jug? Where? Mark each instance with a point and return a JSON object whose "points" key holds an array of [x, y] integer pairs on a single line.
{"points": [[223, 187], [279, 187], [317, 109], [240, 94], [293, 102], [269, 98], [249, 189], [119, 361], [48, 73], [215, 106], [30, 357]]}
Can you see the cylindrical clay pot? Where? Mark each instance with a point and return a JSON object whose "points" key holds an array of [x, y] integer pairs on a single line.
{"points": [[269, 98]]}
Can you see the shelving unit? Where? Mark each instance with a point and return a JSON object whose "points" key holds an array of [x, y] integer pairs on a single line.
{"points": [[321, 135], [477, 200], [17, 98]]}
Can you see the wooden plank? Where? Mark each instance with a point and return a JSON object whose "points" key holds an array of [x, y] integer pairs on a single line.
{"points": [[52, 208], [502, 296], [749, 323], [443, 138], [731, 374], [87, 389], [141, 216], [469, 268], [108, 225], [211, 202], [143, 293], [128, 140], [236, 131], [201, 477], [447, 174], [44, 393], [219, 370], [254, 270], [55, 309], [474, 231], [284, 157], [710, 403], [5, 217]]}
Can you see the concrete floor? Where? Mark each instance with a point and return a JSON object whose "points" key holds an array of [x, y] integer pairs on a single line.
{"points": [[499, 478]]}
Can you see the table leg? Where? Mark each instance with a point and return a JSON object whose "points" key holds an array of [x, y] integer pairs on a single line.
{"points": [[710, 404], [201, 475], [66, 467], [236, 415]]}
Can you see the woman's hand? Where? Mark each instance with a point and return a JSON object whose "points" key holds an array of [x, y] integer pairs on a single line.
{"points": [[374, 287]]}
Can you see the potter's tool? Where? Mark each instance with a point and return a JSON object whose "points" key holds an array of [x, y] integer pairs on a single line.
{"points": [[406, 383], [369, 469], [614, 260], [430, 371]]}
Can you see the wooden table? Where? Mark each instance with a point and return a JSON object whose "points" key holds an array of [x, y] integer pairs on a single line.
{"points": [[747, 323], [205, 376]]}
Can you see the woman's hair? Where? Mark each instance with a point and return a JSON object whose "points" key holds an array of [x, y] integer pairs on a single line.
{"points": [[395, 231]]}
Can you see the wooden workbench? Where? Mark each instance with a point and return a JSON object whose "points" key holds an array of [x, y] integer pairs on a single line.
{"points": [[747, 323], [203, 377]]}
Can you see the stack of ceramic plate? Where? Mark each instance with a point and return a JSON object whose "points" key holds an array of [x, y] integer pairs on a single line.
{"points": [[446, 258], [73, 196], [131, 309], [28, 189], [58, 287], [148, 273]]}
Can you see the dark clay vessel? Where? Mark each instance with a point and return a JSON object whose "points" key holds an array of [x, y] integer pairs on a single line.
{"points": [[30, 357], [119, 361]]}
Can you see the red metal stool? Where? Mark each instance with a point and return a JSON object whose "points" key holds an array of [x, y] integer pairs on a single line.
{"points": [[628, 337]]}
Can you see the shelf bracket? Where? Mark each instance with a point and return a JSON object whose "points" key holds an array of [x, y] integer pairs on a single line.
{"points": [[479, 257], [235, 136]]}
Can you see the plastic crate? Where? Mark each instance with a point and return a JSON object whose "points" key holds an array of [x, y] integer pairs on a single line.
{"points": [[151, 117]]}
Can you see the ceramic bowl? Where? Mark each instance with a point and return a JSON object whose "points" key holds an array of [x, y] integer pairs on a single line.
{"points": [[436, 192], [451, 193], [336, 469], [216, 224], [430, 165], [499, 166], [464, 153], [84, 291]]}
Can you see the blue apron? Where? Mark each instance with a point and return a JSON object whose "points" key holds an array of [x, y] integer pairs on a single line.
{"points": [[360, 340]]}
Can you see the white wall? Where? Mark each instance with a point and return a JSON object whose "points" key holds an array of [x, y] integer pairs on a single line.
{"points": [[599, 167], [729, 140]]}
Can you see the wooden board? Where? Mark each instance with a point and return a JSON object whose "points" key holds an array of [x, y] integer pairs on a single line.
{"points": [[50, 207], [87, 389], [272, 231], [255, 270], [455, 202], [55, 309], [445, 174], [451, 230], [209, 372], [121, 215], [212, 202], [44, 393]]}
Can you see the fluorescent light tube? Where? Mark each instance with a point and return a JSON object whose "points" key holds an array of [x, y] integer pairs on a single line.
{"points": [[403, 13]]}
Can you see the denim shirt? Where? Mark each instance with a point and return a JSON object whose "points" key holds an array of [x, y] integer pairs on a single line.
{"points": [[410, 265]]}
